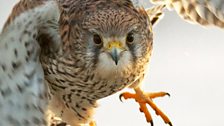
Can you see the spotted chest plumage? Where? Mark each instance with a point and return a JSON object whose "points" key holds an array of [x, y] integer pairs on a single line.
{"points": [[87, 82]]}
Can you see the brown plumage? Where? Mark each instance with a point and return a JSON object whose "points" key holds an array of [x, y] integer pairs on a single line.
{"points": [[101, 48], [203, 12], [79, 77]]}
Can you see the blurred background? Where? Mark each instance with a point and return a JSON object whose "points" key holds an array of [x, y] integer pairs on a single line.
{"points": [[187, 62]]}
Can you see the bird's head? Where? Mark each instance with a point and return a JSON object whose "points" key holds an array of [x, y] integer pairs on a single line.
{"points": [[116, 36]]}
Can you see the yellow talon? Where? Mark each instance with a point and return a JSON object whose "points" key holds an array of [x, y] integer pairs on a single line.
{"points": [[146, 98]]}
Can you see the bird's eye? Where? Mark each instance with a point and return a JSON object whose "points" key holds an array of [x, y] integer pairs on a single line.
{"points": [[130, 38], [97, 39]]}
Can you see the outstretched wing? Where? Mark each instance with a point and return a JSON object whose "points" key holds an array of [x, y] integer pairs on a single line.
{"points": [[23, 95], [204, 12]]}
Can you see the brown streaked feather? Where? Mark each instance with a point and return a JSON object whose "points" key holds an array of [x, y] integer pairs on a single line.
{"points": [[155, 13], [20, 7], [73, 11]]}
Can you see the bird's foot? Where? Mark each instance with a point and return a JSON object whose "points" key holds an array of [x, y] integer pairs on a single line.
{"points": [[146, 98]]}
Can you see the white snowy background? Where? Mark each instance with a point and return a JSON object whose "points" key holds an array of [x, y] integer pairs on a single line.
{"points": [[187, 62]]}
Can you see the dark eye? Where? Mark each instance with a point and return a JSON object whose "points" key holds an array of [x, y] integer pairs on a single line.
{"points": [[97, 39], [130, 38]]}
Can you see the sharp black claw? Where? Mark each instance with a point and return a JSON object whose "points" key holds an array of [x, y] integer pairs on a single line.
{"points": [[168, 94], [170, 124], [140, 110], [151, 122], [120, 97]]}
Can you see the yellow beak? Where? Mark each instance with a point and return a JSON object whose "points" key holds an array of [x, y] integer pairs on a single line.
{"points": [[115, 48]]}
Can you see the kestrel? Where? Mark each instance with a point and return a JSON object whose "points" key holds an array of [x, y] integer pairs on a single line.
{"points": [[61, 56], [88, 50]]}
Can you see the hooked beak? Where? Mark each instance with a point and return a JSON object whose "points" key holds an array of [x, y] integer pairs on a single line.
{"points": [[115, 48], [115, 56]]}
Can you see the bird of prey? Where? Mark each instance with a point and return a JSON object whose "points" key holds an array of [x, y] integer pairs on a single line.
{"points": [[61, 56]]}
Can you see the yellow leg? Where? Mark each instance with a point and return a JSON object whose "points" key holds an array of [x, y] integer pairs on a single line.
{"points": [[92, 123], [146, 98]]}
